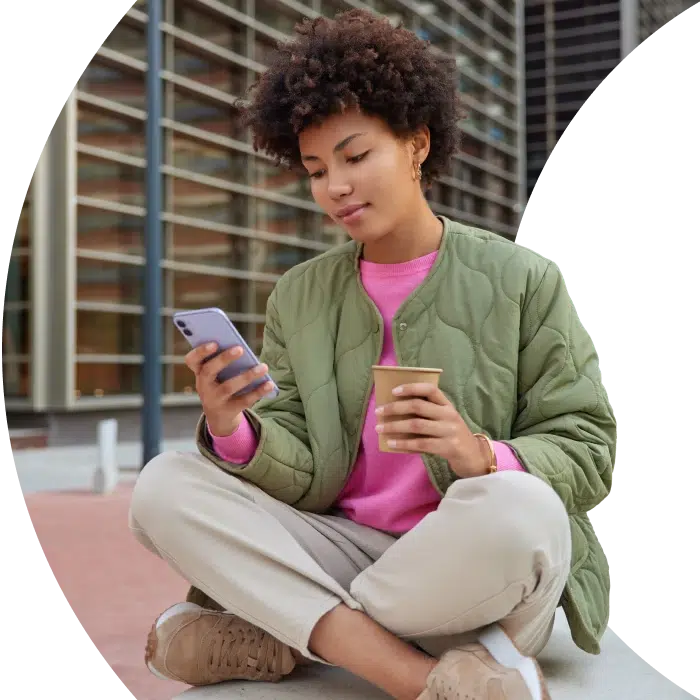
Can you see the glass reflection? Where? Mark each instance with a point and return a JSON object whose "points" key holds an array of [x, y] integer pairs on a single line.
{"points": [[116, 84], [110, 232], [194, 291], [102, 281], [110, 181], [203, 247], [110, 131], [211, 204]]}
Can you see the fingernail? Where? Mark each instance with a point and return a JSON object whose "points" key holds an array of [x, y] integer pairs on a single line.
{"points": [[391, 443], [211, 346], [380, 428], [261, 369], [234, 351], [397, 391], [379, 411]]}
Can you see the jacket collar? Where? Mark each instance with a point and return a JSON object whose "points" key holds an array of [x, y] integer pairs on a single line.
{"points": [[447, 232]]}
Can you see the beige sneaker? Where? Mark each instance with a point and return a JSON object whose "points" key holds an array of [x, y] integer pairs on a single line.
{"points": [[491, 669], [200, 647]]}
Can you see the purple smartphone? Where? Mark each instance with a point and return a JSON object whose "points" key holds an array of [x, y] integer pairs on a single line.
{"points": [[214, 326]]}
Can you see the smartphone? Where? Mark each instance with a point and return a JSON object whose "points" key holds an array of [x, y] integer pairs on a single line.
{"points": [[214, 326]]}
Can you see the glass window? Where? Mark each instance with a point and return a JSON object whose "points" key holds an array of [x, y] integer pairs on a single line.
{"points": [[277, 178], [109, 333], [206, 115], [110, 232], [209, 160], [262, 292], [110, 131], [203, 247], [183, 378], [276, 258], [110, 181], [194, 291], [330, 8], [256, 342], [116, 84], [219, 31], [230, 79], [102, 281], [107, 379], [265, 49], [16, 339], [17, 289], [128, 40], [277, 16], [209, 203], [283, 219], [22, 235], [16, 378]]}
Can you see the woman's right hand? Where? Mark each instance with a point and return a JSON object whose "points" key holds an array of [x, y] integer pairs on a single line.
{"points": [[223, 411]]}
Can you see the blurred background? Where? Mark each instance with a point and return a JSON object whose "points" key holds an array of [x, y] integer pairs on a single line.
{"points": [[232, 222]]}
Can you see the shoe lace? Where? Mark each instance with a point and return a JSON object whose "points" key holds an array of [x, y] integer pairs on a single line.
{"points": [[244, 648]]}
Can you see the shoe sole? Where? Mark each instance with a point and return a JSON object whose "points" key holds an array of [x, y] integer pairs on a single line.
{"points": [[504, 652]]}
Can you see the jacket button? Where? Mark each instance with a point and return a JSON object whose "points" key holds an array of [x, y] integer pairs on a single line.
{"points": [[403, 326]]}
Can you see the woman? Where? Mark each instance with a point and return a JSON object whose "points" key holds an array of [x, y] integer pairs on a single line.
{"points": [[432, 573]]}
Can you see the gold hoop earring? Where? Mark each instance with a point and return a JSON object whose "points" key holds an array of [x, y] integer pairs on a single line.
{"points": [[418, 174]]}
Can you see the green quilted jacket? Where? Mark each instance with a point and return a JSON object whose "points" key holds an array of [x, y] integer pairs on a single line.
{"points": [[517, 364]]}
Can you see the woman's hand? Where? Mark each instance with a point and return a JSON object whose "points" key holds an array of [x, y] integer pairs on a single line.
{"points": [[222, 409], [425, 412]]}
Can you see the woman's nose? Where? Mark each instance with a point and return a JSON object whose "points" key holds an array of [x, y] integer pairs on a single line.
{"points": [[338, 187]]}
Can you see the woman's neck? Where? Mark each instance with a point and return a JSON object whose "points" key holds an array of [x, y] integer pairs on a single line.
{"points": [[419, 235]]}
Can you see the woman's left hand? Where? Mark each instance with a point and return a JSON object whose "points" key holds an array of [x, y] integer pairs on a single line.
{"points": [[425, 412]]}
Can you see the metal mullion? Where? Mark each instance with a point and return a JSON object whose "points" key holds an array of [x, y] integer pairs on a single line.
{"points": [[108, 256], [119, 60], [482, 108], [106, 205], [193, 87], [240, 17], [477, 191], [224, 272], [110, 107], [113, 156], [488, 141], [483, 26]]}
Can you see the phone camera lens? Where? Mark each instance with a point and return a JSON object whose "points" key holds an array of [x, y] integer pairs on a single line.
{"points": [[182, 324], [187, 332]]}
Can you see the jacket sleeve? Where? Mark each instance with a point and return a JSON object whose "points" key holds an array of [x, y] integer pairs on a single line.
{"points": [[282, 465], [564, 431]]}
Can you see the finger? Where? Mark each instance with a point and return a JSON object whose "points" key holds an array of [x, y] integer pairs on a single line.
{"points": [[211, 368], [422, 390], [411, 407], [417, 426], [434, 446], [194, 359], [249, 399], [232, 386]]}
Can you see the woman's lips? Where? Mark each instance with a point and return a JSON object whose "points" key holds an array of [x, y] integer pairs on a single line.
{"points": [[351, 214]]}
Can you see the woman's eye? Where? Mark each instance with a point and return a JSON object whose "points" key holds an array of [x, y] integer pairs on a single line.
{"points": [[357, 159], [316, 175]]}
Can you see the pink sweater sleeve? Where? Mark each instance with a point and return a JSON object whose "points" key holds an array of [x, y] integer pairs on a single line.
{"points": [[506, 459], [239, 447]]}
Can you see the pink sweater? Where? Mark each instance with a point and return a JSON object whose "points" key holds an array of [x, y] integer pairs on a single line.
{"points": [[385, 491]]}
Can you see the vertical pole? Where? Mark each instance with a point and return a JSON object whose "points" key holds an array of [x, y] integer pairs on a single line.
{"points": [[152, 283]]}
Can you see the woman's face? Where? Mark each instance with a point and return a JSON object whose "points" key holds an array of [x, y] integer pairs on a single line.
{"points": [[362, 175]]}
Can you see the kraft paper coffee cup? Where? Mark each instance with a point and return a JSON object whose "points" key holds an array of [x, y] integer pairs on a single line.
{"points": [[386, 379]]}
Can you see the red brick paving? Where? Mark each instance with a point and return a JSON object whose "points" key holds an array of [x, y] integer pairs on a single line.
{"points": [[115, 587]]}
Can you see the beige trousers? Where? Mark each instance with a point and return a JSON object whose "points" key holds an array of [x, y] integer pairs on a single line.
{"points": [[497, 549]]}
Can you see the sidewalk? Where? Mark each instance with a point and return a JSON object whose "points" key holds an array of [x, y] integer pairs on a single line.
{"points": [[116, 589]]}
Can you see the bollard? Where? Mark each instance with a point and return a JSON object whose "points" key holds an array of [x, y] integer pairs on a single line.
{"points": [[106, 476]]}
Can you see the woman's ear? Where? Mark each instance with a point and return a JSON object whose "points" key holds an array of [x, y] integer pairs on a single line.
{"points": [[421, 145]]}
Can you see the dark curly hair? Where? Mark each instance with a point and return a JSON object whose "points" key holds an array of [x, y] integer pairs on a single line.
{"points": [[356, 60]]}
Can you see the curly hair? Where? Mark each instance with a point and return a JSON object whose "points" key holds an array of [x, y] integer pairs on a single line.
{"points": [[357, 60]]}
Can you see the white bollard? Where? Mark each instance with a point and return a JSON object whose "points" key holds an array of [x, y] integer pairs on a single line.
{"points": [[106, 476]]}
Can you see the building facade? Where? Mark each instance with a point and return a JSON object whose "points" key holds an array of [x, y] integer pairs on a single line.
{"points": [[570, 48], [232, 221]]}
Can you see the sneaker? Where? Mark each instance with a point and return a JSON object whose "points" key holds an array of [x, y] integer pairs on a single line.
{"points": [[490, 669], [200, 647]]}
